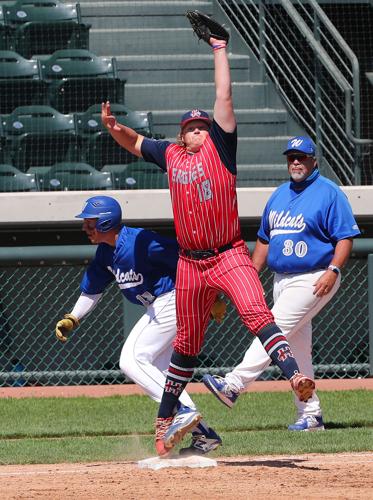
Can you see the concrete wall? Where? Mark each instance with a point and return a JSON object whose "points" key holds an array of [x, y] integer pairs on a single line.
{"points": [[139, 206]]}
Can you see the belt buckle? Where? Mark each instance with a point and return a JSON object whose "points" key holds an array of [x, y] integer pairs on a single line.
{"points": [[202, 254]]}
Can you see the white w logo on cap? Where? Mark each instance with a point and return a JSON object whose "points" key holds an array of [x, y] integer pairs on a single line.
{"points": [[296, 142]]}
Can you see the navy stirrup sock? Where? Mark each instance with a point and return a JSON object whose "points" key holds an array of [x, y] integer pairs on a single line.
{"points": [[278, 349], [180, 372]]}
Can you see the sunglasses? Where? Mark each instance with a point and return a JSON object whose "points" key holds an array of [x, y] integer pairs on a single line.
{"points": [[298, 157]]}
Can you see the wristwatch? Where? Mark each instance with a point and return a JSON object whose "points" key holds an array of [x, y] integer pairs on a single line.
{"points": [[335, 269]]}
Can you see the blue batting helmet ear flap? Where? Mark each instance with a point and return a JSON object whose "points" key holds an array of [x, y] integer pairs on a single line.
{"points": [[105, 209]]}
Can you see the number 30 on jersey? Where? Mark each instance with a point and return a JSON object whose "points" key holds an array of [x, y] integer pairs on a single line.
{"points": [[300, 248]]}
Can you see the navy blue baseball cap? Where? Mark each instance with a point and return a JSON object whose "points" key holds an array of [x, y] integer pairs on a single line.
{"points": [[194, 114], [302, 144]]}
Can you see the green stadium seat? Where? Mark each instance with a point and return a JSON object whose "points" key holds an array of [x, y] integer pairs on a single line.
{"points": [[6, 32], [20, 82], [89, 122], [77, 79], [44, 26], [137, 175], [369, 75], [40, 135], [4, 152], [11, 179], [76, 176], [99, 148]]}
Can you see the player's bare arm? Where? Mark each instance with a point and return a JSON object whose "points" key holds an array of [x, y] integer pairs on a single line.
{"points": [[126, 137], [223, 108], [259, 257], [326, 282]]}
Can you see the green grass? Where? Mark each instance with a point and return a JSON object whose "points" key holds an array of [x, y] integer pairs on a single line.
{"points": [[52, 430]]}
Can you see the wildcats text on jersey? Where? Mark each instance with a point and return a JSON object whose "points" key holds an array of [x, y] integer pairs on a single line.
{"points": [[128, 279], [284, 223]]}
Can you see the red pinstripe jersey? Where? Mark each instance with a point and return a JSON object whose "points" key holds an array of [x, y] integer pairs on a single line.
{"points": [[204, 199], [203, 194]]}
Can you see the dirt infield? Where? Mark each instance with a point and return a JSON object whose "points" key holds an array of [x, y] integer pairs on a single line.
{"points": [[339, 476], [312, 476]]}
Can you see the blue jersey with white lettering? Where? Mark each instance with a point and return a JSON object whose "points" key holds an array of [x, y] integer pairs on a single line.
{"points": [[303, 226], [143, 264]]}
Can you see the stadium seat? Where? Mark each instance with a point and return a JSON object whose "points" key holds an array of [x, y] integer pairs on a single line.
{"points": [[20, 82], [77, 79], [6, 32], [44, 26], [137, 175], [40, 135], [4, 152], [67, 176], [369, 75], [11, 179], [99, 148]]}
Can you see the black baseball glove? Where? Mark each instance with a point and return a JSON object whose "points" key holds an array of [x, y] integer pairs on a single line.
{"points": [[205, 27]]}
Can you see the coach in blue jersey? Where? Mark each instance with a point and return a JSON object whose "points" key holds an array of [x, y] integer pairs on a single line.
{"points": [[305, 237], [143, 264]]}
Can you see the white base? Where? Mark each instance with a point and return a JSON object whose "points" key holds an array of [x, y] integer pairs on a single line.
{"points": [[156, 463]]}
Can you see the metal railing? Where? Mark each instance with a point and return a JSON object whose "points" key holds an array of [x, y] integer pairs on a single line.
{"points": [[315, 72]]}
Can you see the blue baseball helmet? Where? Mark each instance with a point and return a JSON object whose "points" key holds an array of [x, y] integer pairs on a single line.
{"points": [[105, 209]]}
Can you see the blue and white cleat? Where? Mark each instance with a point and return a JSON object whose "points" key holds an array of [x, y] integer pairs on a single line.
{"points": [[308, 423], [203, 441], [220, 389], [184, 421]]}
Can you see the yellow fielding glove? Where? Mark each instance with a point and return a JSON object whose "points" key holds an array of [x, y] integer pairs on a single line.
{"points": [[65, 326], [218, 310]]}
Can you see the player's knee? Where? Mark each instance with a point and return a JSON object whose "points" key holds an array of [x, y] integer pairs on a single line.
{"points": [[256, 322], [130, 360]]}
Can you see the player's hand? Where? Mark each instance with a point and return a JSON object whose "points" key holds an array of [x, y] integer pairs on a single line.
{"points": [[65, 326], [218, 310], [108, 120], [325, 283]]}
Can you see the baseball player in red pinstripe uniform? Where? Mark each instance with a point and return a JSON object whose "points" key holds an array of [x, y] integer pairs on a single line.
{"points": [[201, 170]]}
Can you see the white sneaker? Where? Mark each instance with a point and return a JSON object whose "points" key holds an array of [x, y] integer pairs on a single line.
{"points": [[308, 423]]}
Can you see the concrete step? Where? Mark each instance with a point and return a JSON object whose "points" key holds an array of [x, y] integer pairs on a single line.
{"points": [[261, 174], [156, 14], [125, 41], [261, 150], [185, 96], [251, 122], [120, 21], [144, 7], [177, 68]]}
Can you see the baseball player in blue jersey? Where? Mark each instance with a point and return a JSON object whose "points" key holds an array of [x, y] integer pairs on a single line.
{"points": [[143, 264], [305, 237]]}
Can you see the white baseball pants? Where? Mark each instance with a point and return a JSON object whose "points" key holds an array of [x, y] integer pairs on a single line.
{"points": [[294, 308], [146, 353]]}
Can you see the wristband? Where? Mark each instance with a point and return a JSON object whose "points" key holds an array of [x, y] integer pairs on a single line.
{"points": [[335, 269], [218, 47]]}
